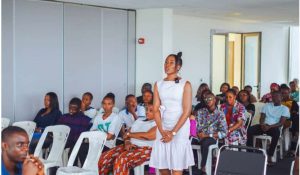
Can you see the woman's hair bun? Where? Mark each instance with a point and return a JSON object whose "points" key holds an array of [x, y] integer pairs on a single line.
{"points": [[179, 54]]}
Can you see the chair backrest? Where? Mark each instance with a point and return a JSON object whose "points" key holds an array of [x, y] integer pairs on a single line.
{"points": [[60, 135], [112, 143], [249, 119], [4, 122], [256, 117], [28, 126], [97, 140], [234, 160]]}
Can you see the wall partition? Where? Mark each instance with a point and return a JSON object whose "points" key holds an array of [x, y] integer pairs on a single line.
{"points": [[65, 48]]}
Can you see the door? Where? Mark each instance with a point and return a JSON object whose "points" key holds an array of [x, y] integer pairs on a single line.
{"points": [[251, 61]]}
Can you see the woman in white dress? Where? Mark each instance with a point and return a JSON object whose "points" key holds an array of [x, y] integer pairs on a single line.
{"points": [[172, 150]]}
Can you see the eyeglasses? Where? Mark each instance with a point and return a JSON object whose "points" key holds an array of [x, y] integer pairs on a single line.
{"points": [[208, 99]]}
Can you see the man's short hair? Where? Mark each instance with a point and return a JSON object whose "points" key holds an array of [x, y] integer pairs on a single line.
{"points": [[9, 131], [129, 96], [88, 94], [75, 101]]}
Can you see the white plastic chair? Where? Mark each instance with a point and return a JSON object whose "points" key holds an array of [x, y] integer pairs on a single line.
{"points": [[112, 143], [60, 136], [292, 168], [208, 164], [249, 119], [286, 138], [265, 139], [256, 117], [97, 140], [4, 123], [28, 126]]}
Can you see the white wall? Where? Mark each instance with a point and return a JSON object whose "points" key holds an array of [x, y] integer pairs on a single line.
{"points": [[155, 26], [192, 35]]}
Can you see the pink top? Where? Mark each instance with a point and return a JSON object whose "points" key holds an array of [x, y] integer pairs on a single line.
{"points": [[193, 128]]}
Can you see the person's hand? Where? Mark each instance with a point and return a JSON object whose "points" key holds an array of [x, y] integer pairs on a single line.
{"points": [[265, 127], [126, 135], [32, 166], [38, 130], [131, 108], [166, 136], [83, 106], [129, 146]]}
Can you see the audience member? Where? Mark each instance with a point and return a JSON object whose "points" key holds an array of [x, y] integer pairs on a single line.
{"points": [[86, 108], [244, 98], [252, 97], [115, 110], [294, 91], [146, 86], [197, 98], [47, 116], [76, 120], [211, 125], [202, 103], [235, 118], [273, 116], [14, 154], [135, 151], [221, 97], [267, 98]]}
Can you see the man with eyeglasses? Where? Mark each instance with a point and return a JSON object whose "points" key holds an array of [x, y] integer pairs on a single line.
{"points": [[211, 125], [14, 155]]}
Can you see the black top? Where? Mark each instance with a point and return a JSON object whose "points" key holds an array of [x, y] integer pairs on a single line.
{"points": [[223, 96], [139, 99], [48, 119], [250, 107]]}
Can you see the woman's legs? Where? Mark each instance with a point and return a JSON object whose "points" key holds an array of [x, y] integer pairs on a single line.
{"points": [[176, 172], [131, 159], [164, 172], [107, 158]]}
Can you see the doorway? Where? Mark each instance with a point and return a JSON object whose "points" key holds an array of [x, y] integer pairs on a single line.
{"points": [[236, 60]]}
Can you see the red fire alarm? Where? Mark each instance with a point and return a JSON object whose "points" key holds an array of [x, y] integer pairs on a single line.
{"points": [[141, 40]]}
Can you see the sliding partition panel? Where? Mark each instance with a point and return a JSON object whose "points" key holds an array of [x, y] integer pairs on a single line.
{"points": [[114, 64], [38, 52], [82, 52], [7, 71]]}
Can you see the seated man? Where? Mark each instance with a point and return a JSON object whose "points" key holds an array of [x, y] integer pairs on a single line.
{"points": [[14, 154], [86, 108], [135, 151], [211, 125], [130, 113], [77, 122], [273, 116]]}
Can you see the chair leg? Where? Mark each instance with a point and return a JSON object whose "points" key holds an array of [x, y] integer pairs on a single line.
{"points": [[139, 170], [190, 170], [199, 158], [208, 165], [254, 142]]}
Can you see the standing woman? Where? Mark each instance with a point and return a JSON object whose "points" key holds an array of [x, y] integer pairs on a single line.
{"points": [[172, 150]]}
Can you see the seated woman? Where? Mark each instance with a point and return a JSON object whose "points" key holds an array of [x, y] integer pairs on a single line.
{"points": [[211, 125], [235, 118], [244, 98], [108, 121], [147, 99], [86, 108], [47, 116], [221, 97], [197, 98], [135, 151], [114, 110]]}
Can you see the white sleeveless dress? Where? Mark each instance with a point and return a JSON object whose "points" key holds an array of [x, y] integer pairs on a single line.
{"points": [[177, 154]]}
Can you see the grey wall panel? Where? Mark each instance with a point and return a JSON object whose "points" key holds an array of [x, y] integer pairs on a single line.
{"points": [[38, 55], [82, 52], [7, 104], [114, 63], [131, 52]]}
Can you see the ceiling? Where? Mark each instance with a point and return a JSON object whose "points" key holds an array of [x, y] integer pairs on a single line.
{"points": [[285, 12]]}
